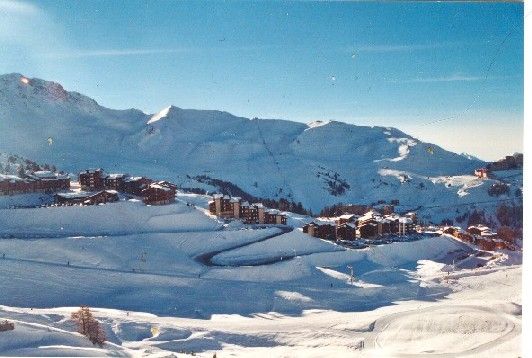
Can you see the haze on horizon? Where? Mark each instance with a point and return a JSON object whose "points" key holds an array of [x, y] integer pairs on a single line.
{"points": [[447, 73]]}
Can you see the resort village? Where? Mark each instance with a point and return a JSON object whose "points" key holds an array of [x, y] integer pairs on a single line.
{"points": [[355, 226]]}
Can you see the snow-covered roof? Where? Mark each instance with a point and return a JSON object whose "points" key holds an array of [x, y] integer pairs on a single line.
{"points": [[12, 178], [369, 215], [158, 186], [130, 179], [44, 174], [74, 194], [484, 230], [346, 216], [258, 205], [92, 170], [369, 224], [217, 196], [116, 175], [404, 220], [350, 225], [235, 199]]}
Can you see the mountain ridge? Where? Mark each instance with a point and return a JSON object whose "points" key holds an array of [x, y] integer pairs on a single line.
{"points": [[270, 158]]}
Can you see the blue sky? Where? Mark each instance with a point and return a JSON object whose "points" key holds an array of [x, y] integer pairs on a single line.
{"points": [[448, 73]]}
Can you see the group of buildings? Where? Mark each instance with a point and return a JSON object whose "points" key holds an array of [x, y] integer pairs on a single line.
{"points": [[507, 163], [225, 206], [371, 225], [479, 235], [98, 187], [40, 181]]}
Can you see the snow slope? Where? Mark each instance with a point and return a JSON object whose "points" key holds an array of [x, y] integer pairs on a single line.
{"points": [[481, 317], [158, 292], [121, 217], [316, 164], [292, 244]]}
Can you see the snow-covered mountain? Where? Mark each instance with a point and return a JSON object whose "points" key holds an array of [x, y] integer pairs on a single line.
{"points": [[319, 163]]}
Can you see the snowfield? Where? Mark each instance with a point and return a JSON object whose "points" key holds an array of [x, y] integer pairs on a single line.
{"points": [[200, 286], [114, 218]]}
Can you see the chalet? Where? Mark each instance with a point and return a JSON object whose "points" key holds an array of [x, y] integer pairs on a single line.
{"points": [[272, 216], [159, 193], [49, 182], [384, 226], [371, 225], [450, 230], [477, 229], [234, 203], [11, 184], [249, 213], [393, 219], [509, 162], [464, 236], [412, 216], [212, 207], [40, 181], [346, 218], [102, 197], [346, 231], [115, 181], [482, 231], [355, 209], [261, 214], [501, 244], [482, 173], [86, 198], [92, 179], [135, 185], [233, 207], [385, 209], [221, 206], [485, 244], [323, 231], [368, 229], [406, 226]]}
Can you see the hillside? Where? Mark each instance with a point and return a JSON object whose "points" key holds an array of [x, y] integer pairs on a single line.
{"points": [[318, 164]]}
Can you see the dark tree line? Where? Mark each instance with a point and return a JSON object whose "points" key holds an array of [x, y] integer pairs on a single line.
{"points": [[228, 188], [23, 166]]}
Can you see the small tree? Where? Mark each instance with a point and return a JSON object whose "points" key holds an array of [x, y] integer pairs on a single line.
{"points": [[89, 326]]}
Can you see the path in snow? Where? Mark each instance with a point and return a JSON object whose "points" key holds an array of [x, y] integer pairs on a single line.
{"points": [[206, 258]]}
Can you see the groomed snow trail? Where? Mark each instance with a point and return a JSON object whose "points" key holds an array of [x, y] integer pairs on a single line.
{"points": [[383, 329]]}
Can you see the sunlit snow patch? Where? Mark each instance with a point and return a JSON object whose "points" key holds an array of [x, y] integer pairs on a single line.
{"points": [[293, 296], [315, 124], [162, 114], [404, 147]]}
